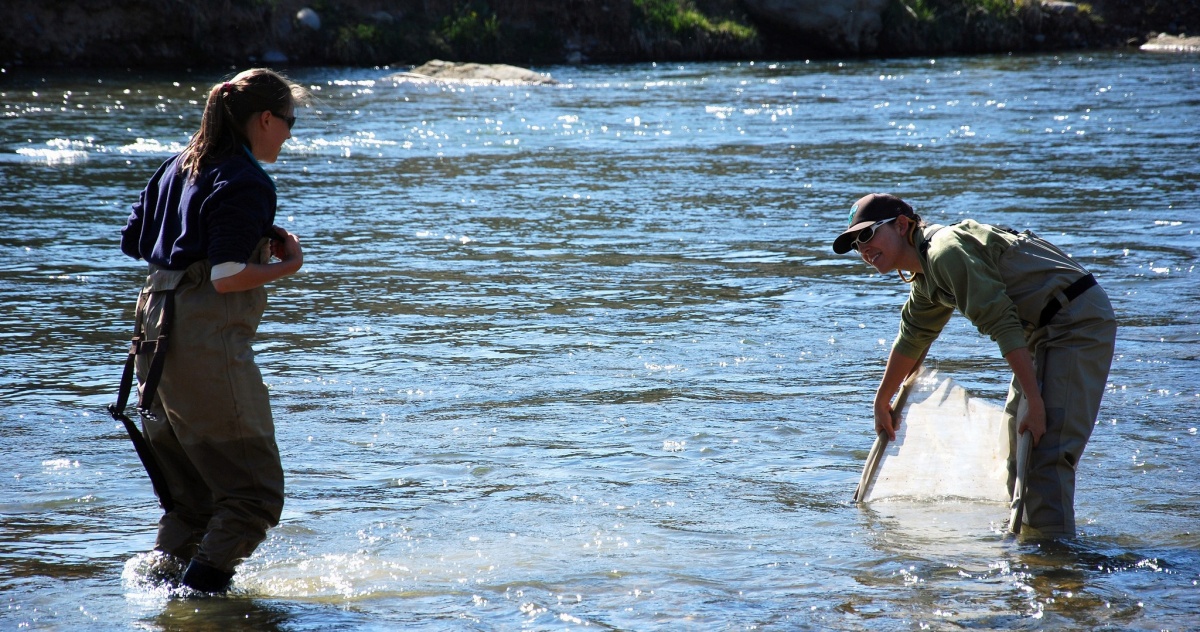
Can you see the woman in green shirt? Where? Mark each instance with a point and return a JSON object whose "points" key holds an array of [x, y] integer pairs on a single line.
{"points": [[1054, 326]]}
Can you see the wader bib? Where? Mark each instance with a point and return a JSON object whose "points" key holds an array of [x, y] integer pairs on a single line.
{"points": [[1072, 349], [209, 425]]}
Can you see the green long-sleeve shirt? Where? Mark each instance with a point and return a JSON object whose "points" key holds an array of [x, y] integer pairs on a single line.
{"points": [[1000, 280]]}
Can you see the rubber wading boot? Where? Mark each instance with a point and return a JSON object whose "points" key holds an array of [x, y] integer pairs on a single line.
{"points": [[164, 568], [205, 578]]}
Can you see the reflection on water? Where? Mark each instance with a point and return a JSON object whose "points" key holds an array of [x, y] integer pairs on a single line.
{"points": [[581, 356]]}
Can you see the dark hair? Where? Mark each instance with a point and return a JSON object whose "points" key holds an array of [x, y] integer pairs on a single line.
{"points": [[917, 222], [229, 107]]}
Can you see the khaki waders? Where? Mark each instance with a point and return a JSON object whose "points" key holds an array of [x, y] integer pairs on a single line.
{"points": [[211, 429], [1072, 354]]}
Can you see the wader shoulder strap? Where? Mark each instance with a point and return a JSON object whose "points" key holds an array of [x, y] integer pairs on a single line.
{"points": [[930, 232], [158, 347], [135, 346], [139, 345]]}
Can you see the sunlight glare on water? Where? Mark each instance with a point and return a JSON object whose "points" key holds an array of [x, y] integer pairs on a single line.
{"points": [[581, 356]]}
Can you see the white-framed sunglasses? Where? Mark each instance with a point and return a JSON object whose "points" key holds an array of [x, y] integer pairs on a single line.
{"points": [[867, 233]]}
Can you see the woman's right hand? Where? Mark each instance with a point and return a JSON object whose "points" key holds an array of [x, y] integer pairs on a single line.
{"points": [[899, 367], [287, 247], [885, 419]]}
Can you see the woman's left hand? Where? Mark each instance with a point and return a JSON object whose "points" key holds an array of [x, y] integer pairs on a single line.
{"points": [[1025, 374], [1034, 420], [285, 246]]}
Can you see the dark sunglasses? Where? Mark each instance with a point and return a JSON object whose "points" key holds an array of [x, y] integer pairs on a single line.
{"points": [[290, 120], [867, 233]]}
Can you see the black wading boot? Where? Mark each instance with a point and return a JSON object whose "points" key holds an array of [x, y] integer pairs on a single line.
{"points": [[205, 578]]}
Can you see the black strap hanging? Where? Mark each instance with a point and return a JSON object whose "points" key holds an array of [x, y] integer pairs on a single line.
{"points": [[1072, 292], [158, 347]]}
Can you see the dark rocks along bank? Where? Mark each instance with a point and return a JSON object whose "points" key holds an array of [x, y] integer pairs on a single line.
{"points": [[157, 34]]}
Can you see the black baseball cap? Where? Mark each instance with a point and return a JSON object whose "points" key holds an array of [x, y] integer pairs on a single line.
{"points": [[868, 210]]}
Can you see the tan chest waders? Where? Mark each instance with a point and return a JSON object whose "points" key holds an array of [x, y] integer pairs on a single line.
{"points": [[207, 435]]}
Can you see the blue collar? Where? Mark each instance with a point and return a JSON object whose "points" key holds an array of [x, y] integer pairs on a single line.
{"points": [[254, 161]]}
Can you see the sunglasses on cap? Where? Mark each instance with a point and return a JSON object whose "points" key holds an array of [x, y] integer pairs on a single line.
{"points": [[868, 233]]}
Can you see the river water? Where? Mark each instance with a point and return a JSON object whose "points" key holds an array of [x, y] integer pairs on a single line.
{"points": [[580, 356]]}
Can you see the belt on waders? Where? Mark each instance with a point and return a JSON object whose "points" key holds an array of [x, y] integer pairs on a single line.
{"points": [[158, 347], [1081, 285]]}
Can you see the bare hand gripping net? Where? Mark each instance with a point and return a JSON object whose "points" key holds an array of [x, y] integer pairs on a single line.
{"points": [[949, 445]]}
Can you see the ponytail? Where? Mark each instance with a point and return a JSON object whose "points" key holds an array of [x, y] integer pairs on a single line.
{"points": [[228, 109], [914, 223]]}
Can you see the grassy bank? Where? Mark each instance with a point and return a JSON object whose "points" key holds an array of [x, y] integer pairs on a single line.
{"points": [[145, 33]]}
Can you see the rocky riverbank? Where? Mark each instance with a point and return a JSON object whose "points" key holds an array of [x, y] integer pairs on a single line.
{"points": [[145, 33]]}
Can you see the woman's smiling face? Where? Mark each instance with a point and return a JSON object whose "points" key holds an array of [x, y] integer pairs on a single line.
{"points": [[884, 248]]}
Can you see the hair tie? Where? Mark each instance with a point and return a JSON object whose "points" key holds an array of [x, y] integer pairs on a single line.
{"points": [[226, 87]]}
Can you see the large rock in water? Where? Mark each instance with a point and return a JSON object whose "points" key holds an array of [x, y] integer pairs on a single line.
{"points": [[1165, 43], [471, 73], [840, 26]]}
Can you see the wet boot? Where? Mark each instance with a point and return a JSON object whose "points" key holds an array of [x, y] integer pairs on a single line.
{"points": [[154, 570], [205, 578], [166, 569]]}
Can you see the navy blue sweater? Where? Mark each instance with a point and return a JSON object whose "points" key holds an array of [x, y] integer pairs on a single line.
{"points": [[220, 216]]}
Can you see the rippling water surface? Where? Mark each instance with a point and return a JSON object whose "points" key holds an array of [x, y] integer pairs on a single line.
{"points": [[580, 356]]}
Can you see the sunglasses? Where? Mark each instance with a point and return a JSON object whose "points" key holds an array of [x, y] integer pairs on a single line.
{"points": [[290, 120], [867, 233]]}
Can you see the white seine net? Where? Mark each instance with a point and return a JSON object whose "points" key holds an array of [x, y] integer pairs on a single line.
{"points": [[949, 445]]}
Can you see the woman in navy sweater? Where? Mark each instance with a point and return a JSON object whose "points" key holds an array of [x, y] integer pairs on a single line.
{"points": [[205, 225]]}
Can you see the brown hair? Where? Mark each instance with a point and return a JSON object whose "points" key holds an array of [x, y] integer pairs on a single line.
{"points": [[916, 223], [229, 107]]}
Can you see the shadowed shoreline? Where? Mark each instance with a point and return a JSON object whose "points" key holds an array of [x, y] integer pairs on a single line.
{"points": [[143, 34]]}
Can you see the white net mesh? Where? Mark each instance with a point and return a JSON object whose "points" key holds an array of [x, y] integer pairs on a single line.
{"points": [[949, 445]]}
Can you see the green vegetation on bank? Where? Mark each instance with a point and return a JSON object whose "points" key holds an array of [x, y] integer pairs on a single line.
{"points": [[474, 30], [976, 26], [148, 33], [472, 27], [930, 10], [680, 19]]}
